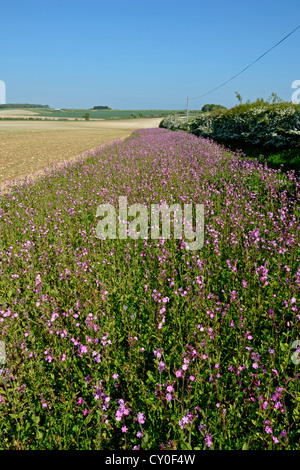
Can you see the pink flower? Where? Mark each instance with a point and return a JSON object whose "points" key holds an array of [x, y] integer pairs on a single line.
{"points": [[124, 429], [158, 353], [169, 397], [178, 373], [141, 417], [268, 429], [208, 440]]}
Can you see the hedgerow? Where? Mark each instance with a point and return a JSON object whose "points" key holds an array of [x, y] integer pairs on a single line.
{"points": [[275, 126]]}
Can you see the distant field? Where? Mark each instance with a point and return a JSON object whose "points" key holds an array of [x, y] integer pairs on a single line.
{"points": [[106, 114], [28, 146], [44, 113], [17, 113]]}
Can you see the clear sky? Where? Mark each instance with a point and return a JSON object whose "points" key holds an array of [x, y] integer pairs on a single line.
{"points": [[146, 54]]}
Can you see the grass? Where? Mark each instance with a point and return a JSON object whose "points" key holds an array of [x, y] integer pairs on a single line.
{"points": [[285, 159], [142, 344]]}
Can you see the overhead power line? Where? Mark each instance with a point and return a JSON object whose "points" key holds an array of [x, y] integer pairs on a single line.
{"points": [[248, 66]]}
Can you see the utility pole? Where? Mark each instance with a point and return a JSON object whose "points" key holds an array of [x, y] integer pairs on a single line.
{"points": [[187, 110]]}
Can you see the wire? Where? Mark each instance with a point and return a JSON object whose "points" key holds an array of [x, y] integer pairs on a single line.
{"points": [[248, 66]]}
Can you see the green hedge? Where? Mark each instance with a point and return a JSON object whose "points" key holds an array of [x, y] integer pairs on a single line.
{"points": [[270, 126]]}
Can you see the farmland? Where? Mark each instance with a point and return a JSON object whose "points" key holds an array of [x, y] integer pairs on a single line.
{"points": [[95, 114], [141, 343], [28, 146]]}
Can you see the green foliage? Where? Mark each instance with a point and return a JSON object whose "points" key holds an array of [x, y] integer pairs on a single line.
{"points": [[239, 98], [207, 108], [274, 98], [86, 116], [173, 122], [101, 107], [268, 126]]}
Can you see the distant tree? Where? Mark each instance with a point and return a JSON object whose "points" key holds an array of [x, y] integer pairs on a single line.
{"points": [[86, 116], [101, 107], [207, 108]]}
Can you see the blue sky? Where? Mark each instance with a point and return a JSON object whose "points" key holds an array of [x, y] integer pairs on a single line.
{"points": [[130, 54]]}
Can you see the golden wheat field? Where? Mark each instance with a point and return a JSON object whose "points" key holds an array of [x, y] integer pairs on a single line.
{"points": [[28, 146]]}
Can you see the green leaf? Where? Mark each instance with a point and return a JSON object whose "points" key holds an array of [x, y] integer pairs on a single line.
{"points": [[36, 419], [150, 375], [284, 347], [297, 397], [186, 446], [146, 438]]}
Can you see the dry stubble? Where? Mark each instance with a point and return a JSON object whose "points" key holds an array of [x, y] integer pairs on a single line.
{"points": [[28, 147]]}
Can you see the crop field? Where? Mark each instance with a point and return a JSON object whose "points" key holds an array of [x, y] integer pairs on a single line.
{"points": [[106, 114], [50, 113], [28, 146], [141, 343]]}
